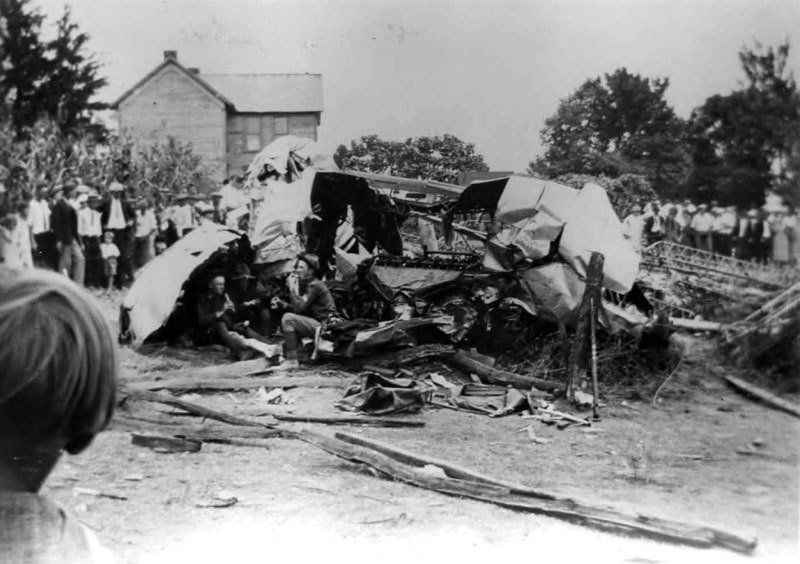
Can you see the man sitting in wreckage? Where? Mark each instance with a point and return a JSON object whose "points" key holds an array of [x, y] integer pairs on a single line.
{"points": [[310, 305], [222, 320]]}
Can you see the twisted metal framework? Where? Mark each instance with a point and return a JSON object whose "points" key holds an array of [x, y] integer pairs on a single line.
{"points": [[687, 260]]}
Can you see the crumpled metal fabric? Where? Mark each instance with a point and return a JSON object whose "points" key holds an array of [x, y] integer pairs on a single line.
{"points": [[377, 395]]}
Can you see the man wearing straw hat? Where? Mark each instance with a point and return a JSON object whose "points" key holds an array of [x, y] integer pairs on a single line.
{"points": [[118, 217]]}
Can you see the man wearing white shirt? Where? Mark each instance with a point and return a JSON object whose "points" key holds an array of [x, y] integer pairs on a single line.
{"points": [[184, 216], [90, 230], [118, 217], [44, 243], [146, 228], [724, 225], [702, 227]]}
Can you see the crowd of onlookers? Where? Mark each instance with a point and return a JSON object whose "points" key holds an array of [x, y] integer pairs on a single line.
{"points": [[99, 236], [755, 234]]}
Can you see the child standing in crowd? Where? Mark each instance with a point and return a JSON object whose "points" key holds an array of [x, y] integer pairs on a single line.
{"points": [[23, 240], [110, 253]]}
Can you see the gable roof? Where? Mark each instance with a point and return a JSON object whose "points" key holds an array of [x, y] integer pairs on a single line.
{"points": [[270, 92], [165, 63]]}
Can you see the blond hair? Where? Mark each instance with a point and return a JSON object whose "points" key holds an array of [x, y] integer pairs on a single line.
{"points": [[58, 361]]}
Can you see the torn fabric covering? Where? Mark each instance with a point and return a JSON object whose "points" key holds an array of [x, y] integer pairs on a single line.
{"points": [[151, 298], [412, 279], [530, 214], [337, 197], [554, 288], [362, 337], [377, 395], [593, 226], [282, 206], [287, 154]]}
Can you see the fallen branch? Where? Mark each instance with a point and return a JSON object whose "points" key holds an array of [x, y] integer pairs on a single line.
{"points": [[450, 480], [196, 409], [230, 370], [350, 420], [220, 435], [764, 396], [499, 377]]}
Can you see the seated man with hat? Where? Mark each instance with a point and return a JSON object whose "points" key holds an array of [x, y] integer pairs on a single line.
{"points": [[310, 304], [218, 321]]}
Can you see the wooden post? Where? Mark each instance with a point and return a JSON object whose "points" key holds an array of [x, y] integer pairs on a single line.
{"points": [[579, 358]]}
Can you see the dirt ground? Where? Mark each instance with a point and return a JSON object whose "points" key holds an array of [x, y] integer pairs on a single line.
{"points": [[676, 460]]}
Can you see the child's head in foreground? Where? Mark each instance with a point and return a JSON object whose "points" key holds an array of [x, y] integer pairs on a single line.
{"points": [[58, 371]]}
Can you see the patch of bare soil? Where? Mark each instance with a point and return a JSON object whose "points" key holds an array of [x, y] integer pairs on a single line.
{"points": [[677, 460]]}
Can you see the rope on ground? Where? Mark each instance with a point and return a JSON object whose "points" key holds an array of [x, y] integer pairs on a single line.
{"points": [[667, 379]]}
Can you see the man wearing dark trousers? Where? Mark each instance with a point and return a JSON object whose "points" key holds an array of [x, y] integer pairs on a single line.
{"points": [[216, 321], [65, 226], [118, 216]]}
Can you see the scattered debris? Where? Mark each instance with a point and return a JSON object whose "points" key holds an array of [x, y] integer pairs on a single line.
{"points": [[220, 500], [97, 493], [163, 444]]}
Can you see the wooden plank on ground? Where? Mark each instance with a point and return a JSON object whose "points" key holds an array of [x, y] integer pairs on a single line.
{"points": [[190, 383], [763, 396], [434, 477], [350, 420]]}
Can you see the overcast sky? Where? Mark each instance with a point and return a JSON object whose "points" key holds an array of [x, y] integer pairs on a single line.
{"points": [[489, 72]]}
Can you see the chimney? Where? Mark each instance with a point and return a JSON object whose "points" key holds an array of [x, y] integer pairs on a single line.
{"points": [[171, 55], [194, 70]]}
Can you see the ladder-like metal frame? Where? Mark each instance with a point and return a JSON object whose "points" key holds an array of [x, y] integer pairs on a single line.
{"points": [[666, 254]]}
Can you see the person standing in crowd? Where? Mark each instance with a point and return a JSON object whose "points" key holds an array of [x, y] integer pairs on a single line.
{"points": [[118, 217], [689, 212], [110, 253], [23, 239], [184, 217], [701, 226], [56, 394], [219, 215], [780, 230], [672, 227], [9, 254], [724, 229], [633, 227], [310, 304], [65, 226], [39, 219], [90, 230], [752, 234], [793, 224], [653, 225], [146, 228], [167, 221]]}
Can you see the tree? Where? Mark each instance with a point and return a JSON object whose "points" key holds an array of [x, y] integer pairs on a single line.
{"points": [[56, 78], [747, 142], [23, 61], [614, 125], [432, 158]]}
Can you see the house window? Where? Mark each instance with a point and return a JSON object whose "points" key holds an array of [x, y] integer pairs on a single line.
{"points": [[281, 125], [253, 143], [253, 124]]}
